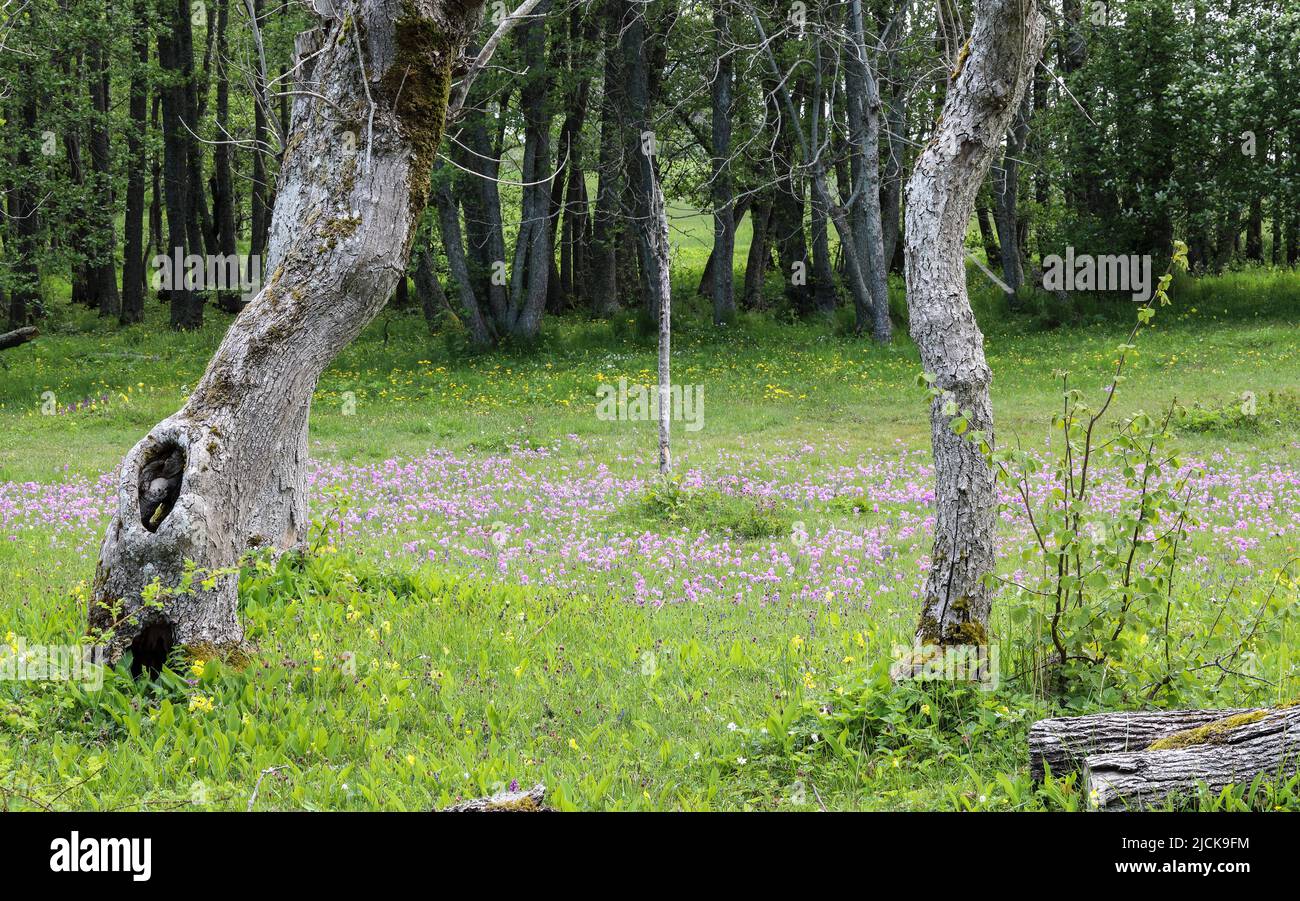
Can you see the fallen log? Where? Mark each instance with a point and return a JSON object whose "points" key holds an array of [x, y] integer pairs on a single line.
{"points": [[1062, 744], [17, 336], [529, 801], [1232, 750]]}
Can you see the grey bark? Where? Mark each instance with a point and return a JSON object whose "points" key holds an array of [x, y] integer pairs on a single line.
{"points": [[1219, 755], [1006, 196], [1006, 42], [988, 234], [821, 194], [724, 212], [759, 255], [17, 336], [825, 295], [1062, 744], [428, 290], [739, 207], [569, 215], [864, 125], [340, 238], [604, 250], [259, 209], [223, 187], [528, 801], [655, 230], [100, 268], [643, 177], [480, 197], [892, 193], [133, 224], [533, 260], [478, 325], [179, 188]]}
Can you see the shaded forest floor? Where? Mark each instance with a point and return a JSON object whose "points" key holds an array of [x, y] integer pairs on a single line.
{"points": [[500, 590]]}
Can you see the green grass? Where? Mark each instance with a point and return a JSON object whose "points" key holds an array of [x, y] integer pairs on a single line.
{"points": [[763, 381], [380, 683]]}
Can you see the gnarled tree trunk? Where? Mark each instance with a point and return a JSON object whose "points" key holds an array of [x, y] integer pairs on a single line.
{"points": [[344, 217], [988, 83]]}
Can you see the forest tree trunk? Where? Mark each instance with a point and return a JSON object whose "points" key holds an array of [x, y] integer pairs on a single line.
{"points": [[21, 200], [340, 237], [137, 161], [864, 121], [1006, 41], [1006, 196], [100, 268], [223, 186], [724, 212], [178, 188], [609, 187]]}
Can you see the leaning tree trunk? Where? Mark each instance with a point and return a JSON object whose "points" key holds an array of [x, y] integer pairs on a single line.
{"points": [[344, 217], [987, 87]]}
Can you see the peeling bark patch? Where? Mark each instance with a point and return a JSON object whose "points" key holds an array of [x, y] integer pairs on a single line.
{"points": [[151, 648], [160, 484]]}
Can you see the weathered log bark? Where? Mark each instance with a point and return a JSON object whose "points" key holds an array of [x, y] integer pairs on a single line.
{"points": [[1230, 751], [986, 89], [17, 336], [529, 801], [345, 214], [1061, 744]]}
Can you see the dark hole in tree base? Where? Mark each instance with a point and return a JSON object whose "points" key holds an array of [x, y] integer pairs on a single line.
{"points": [[160, 484], [151, 648]]}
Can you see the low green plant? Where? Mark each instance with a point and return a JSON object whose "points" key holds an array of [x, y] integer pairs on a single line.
{"points": [[669, 502], [1248, 414]]}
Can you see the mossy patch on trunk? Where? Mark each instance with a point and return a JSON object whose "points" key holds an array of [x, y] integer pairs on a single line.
{"points": [[1209, 734], [418, 86]]}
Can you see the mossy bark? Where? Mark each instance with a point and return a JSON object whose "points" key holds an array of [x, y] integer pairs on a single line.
{"points": [[1061, 744], [1134, 767]]}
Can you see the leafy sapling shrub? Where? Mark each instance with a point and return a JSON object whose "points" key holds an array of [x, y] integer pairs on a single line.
{"points": [[1096, 590]]}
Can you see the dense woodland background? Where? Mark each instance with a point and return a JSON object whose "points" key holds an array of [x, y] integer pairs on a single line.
{"points": [[134, 128]]}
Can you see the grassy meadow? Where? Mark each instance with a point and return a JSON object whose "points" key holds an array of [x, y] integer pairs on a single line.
{"points": [[500, 589]]}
